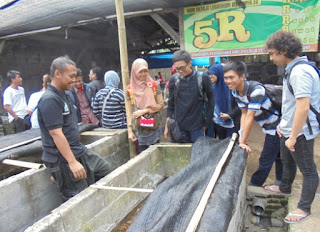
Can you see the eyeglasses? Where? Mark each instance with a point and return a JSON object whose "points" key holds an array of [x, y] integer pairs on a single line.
{"points": [[181, 68]]}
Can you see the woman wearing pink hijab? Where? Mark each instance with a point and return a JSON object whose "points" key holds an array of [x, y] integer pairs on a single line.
{"points": [[144, 120]]}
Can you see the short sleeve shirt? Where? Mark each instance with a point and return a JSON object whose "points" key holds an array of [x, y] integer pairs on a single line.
{"points": [[16, 99], [259, 100], [55, 110], [33, 106]]}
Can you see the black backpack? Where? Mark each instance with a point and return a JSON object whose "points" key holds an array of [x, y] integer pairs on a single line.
{"points": [[274, 93]]}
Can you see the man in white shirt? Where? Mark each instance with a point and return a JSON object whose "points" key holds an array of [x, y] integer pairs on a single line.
{"points": [[14, 101], [34, 99]]}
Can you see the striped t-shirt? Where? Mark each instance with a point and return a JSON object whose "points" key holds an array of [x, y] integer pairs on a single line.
{"points": [[259, 102], [114, 115]]}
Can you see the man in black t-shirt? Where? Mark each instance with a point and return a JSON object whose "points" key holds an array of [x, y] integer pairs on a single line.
{"points": [[188, 108], [72, 166]]}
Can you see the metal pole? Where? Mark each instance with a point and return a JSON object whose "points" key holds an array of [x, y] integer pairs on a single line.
{"points": [[124, 62]]}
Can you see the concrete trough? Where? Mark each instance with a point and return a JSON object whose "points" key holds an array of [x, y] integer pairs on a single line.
{"points": [[99, 209], [30, 195]]}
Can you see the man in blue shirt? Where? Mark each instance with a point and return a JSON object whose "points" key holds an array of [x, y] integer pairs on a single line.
{"points": [[255, 105]]}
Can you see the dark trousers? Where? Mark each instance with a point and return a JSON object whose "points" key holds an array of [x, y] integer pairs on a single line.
{"points": [[192, 136], [269, 155], [303, 158], [95, 166]]}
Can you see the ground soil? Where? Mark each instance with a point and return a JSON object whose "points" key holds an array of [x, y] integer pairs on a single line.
{"points": [[256, 141]]}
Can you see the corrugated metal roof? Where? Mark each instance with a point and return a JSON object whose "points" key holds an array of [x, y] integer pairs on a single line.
{"points": [[24, 16]]}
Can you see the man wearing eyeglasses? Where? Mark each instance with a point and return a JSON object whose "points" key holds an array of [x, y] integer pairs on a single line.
{"points": [[187, 107]]}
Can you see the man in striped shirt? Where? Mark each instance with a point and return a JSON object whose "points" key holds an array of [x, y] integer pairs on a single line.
{"points": [[255, 105]]}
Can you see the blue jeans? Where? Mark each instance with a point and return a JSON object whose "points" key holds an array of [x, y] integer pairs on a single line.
{"points": [[304, 159], [192, 136], [269, 155]]}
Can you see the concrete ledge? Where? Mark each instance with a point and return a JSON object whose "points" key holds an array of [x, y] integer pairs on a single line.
{"points": [[29, 196]]}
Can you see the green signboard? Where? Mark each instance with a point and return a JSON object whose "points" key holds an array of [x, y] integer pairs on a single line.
{"points": [[226, 29]]}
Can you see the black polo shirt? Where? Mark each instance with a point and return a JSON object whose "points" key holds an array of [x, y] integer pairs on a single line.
{"points": [[55, 110]]}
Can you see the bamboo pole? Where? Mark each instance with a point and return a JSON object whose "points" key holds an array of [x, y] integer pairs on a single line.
{"points": [[19, 144], [124, 63], [22, 164], [95, 186], [193, 224]]}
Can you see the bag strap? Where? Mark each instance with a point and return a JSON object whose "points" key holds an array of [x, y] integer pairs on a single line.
{"points": [[105, 101], [287, 77]]}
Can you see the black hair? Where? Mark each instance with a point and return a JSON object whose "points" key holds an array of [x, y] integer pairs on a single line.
{"points": [[181, 55], [234, 65], [12, 74], [60, 64]]}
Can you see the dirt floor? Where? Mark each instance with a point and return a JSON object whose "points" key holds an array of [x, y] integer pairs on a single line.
{"points": [[256, 140]]}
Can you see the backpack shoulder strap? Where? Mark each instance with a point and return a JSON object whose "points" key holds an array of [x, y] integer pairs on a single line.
{"points": [[106, 99], [200, 85], [252, 85]]}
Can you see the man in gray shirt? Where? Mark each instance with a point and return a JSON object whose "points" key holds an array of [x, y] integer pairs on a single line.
{"points": [[301, 88]]}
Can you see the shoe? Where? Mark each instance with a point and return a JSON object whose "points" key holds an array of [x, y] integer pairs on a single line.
{"points": [[274, 189], [301, 217]]}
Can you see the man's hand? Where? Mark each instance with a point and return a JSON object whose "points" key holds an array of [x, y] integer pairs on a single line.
{"points": [[224, 116], [246, 147], [166, 132], [279, 131], [290, 142], [78, 170]]}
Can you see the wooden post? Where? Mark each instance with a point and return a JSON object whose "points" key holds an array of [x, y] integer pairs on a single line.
{"points": [[124, 62], [193, 224], [181, 29]]}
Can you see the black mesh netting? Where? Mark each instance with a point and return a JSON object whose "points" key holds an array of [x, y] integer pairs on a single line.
{"points": [[171, 206], [35, 146]]}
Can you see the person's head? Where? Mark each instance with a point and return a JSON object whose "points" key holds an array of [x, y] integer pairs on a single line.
{"points": [[140, 69], [283, 47], [14, 77], [182, 62], [112, 79], [235, 74], [46, 79], [63, 70], [78, 80], [215, 73], [96, 74]]}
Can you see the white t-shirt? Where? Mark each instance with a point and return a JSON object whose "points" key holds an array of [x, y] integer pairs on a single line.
{"points": [[17, 101], [33, 106]]}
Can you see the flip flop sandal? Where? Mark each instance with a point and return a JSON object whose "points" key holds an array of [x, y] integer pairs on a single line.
{"points": [[301, 216], [273, 190]]}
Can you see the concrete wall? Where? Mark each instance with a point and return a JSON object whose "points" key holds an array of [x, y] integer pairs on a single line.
{"points": [[30, 195]]}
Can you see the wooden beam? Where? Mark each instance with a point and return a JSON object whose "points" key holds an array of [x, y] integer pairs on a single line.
{"points": [[193, 224], [124, 63], [181, 30], [22, 164], [20, 144], [95, 186], [174, 35], [100, 133]]}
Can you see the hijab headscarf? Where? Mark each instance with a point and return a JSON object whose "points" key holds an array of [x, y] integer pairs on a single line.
{"points": [[112, 79], [142, 91], [222, 94]]}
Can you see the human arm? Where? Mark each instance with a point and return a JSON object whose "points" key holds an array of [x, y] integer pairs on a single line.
{"points": [[247, 118], [158, 107], [300, 117], [64, 148], [10, 111], [131, 135]]}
